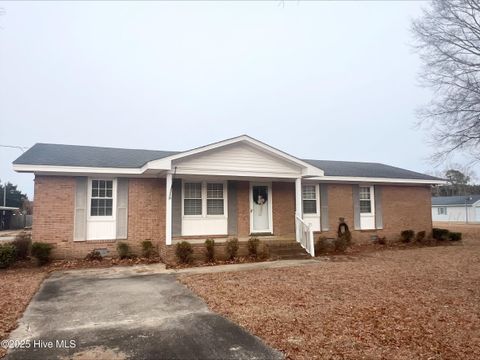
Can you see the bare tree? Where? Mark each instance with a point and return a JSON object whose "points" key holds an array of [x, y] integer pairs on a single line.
{"points": [[448, 41]]}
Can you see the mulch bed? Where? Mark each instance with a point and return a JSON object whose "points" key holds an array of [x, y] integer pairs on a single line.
{"points": [[416, 303]]}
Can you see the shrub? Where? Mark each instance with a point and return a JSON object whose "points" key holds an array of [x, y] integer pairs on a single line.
{"points": [[123, 250], [321, 245], [22, 244], [265, 253], [420, 237], [94, 255], [231, 248], [42, 251], [455, 236], [148, 250], [7, 255], [253, 244], [210, 250], [341, 243], [382, 240], [184, 252], [407, 235], [440, 234]]}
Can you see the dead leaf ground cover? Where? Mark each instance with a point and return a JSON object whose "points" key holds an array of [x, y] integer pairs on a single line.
{"points": [[394, 304]]}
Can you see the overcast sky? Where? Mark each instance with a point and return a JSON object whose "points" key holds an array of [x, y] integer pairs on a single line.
{"points": [[322, 80]]}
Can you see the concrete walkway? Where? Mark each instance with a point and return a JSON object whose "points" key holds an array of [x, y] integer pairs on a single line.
{"points": [[139, 312], [151, 269]]}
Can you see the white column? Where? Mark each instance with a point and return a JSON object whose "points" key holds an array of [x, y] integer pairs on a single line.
{"points": [[298, 205], [168, 210]]}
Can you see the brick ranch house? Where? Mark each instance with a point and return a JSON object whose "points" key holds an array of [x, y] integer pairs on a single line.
{"points": [[91, 197]]}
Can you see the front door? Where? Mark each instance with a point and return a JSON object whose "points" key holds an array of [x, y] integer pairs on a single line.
{"points": [[261, 208]]}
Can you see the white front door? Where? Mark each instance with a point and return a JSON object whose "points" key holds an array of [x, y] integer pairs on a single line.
{"points": [[261, 208]]}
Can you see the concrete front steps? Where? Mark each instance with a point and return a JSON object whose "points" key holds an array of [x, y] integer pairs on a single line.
{"points": [[286, 250]]}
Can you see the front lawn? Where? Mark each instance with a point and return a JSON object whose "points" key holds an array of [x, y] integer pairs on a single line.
{"points": [[395, 304]]}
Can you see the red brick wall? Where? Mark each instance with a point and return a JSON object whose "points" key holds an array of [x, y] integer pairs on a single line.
{"points": [[243, 209], [283, 210], [403, 207], [53, 209], [54, 216]]}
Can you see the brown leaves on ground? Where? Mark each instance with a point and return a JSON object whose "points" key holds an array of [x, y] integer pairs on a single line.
{"points": [[396, 304], [17, 286]]}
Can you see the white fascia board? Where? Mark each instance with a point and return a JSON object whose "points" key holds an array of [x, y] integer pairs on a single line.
{"points": [[452, 205], [166, 163], [75, 169], [376, 180]]}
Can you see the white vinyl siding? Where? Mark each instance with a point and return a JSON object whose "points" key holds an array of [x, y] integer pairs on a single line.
{"points": [[235, 160]]}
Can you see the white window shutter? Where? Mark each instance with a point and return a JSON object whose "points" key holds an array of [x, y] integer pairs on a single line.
{"points": [[122, 208], [80, 216]]}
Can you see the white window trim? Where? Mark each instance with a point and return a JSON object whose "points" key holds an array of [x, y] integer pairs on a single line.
{"points": [[317, 198], [372, 207], [114, 200], [204, 214]]}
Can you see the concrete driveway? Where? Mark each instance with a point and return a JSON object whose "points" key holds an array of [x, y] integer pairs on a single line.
{"points": [[122, 315]]}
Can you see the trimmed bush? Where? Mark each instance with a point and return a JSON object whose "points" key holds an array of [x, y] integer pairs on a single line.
{"points": [[440, 234], [420, 237], [341, 243], [252, 245], [210, 250], [7, 255], [407, 235], [22, 244], [123, 250], [42, 252], [455, 236], [94, 255], [184, 252], [321, 245], [382, 240], [231, 248], [148, 250]]}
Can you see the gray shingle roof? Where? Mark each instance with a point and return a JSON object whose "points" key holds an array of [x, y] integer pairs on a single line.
{"points": [[91, 156], [454, 200], [366, 169]]}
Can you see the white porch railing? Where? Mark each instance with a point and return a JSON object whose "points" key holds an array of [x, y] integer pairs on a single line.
{"points": [[305, 235]]}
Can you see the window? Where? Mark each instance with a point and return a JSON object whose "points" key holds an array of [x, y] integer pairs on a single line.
{"points": [[309, 197], [214, 199], [442, 211], [192, 199], [101, 203], [365, 200]]}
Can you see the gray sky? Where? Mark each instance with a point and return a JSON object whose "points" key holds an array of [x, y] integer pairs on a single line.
{"points": [[318, 80]]}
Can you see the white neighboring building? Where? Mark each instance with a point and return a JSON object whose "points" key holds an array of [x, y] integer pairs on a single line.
{"points": [[456, 208]]}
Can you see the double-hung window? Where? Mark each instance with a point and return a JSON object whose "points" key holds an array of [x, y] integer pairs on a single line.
{"points": [[309, 198], [101, 200], [365, 200], [442, 211], [192, 198], [203, 199], [215, 203]]}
